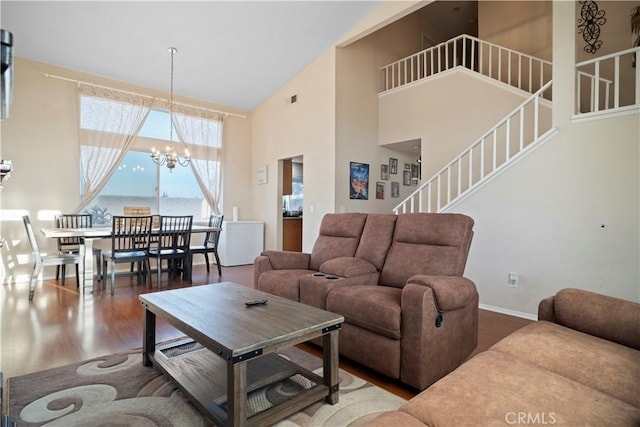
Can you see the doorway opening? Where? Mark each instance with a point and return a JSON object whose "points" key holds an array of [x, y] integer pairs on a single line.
{"points": [[292, 203]]}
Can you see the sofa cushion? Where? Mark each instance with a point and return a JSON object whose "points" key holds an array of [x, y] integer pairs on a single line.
{"points": [[347, 267], [315, 288], [603, 365], [427, 244], [376, 238], [339, 236], [496, 389], [374, 308], [284, 283]]}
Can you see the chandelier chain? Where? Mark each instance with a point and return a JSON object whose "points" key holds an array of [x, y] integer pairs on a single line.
{"points": [[170, 157], [172, 50]]}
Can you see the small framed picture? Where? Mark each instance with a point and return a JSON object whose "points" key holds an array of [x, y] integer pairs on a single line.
{"points": [[393, 166], [379, 190], [395, 190], [406, 178], [261, 175], [407, 166], [384, 172]]}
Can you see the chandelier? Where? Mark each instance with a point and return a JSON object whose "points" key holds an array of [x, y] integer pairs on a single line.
{"points": [[169, 157]]}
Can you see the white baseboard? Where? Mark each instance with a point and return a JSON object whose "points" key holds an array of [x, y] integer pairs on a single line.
{"points": [[506, 311]]}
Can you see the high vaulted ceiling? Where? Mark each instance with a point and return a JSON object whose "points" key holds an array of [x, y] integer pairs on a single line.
{"points": [[234, 53]]}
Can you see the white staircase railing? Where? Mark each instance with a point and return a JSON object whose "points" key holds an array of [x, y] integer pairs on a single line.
{"points": [[600, 82], [506, 65], [505, 142]]}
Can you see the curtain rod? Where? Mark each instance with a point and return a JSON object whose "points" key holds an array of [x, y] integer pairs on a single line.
{"points": [[139, 94]]}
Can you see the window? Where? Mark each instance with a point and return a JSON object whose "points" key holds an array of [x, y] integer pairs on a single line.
{"points": [[138, 181]]}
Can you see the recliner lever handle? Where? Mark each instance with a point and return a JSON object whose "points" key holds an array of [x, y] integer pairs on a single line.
{"points": [[439, 320]]}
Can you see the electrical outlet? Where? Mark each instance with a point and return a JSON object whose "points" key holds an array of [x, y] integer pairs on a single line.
{"points": [[513, 280]]}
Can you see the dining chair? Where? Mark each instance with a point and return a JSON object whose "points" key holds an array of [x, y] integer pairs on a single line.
{"points": [[174, 237], [46, 260], [144, 211], [210, 243], [71, 245], [130, 241]]}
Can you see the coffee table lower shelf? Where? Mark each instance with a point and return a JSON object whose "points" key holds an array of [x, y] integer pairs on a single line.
{"points": [[202, 375]]}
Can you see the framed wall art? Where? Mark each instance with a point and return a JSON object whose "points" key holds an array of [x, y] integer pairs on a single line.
{"points": [[358, 181], [380, 190], [393, 166], [395, 190], [415, 172], [384, 172], [406, 178], [261, 175]]}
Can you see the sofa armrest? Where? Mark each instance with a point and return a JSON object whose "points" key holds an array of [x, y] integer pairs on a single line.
{"points": [[439, 317], [260, 265], [285, 260], [450, 292], [606, 317], [278, 260], [546, 310]]}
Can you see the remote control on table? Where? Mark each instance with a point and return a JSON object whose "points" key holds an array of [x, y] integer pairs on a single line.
{"points": [[255, 302]]}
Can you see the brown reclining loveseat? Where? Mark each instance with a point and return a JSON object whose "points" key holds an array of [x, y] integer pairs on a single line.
{"points": [[397, 280]]}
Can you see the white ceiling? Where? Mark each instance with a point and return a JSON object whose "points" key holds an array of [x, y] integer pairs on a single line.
{"points": [[234, 53]]}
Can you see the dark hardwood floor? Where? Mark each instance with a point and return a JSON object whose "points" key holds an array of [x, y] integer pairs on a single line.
{"points": [[62, 326]]}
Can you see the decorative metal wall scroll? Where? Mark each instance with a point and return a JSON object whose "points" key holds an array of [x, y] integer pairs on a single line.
{"points": [[591, 18]]}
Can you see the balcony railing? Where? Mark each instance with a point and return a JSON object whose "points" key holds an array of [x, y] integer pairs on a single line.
{"points": [[505, 142], [600, 83], [506, 65]]}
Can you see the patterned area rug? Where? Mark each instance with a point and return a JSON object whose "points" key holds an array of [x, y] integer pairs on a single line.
{"points": [[117, 390]]}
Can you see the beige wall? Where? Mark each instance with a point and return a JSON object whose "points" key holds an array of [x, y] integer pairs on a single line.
{"points": [[447, 113], [387, 13], [333, 122], [282, 130], [357, 83], [40, 137], [555, 219], [524, 26]]}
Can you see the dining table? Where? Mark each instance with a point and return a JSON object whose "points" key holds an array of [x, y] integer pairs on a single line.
{"points": [[88, 236]]}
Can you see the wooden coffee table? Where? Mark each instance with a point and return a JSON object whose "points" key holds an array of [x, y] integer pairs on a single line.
{"points": [[239, 344]]}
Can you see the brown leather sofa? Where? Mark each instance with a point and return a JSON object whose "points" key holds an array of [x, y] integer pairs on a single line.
{"points": [[397, 280], [579, 365]]}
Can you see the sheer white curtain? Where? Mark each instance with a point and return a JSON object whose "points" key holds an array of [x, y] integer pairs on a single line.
{"points": [[201, 132], [109, 120]]}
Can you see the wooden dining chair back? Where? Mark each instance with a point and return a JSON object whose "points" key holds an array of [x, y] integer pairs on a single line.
{"points": [[130, 241], [46, 260], [210, 244], [71, 245], [174, 237]]}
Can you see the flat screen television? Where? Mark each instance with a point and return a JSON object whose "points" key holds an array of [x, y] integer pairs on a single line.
{"points": [[6, 81]]}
